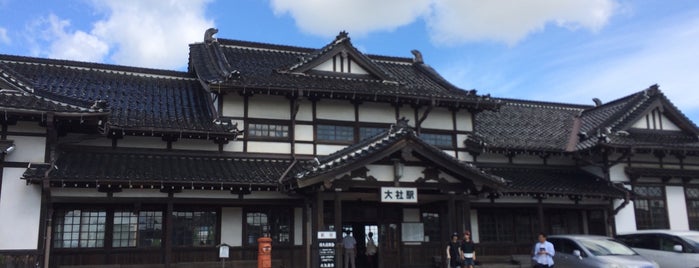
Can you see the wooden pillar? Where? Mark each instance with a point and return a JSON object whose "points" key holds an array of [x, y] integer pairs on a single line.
{"points": [[317, 225], [169, 231], [339, 253], [540, 210], [459, 213], [467, 213], [450, 214]]}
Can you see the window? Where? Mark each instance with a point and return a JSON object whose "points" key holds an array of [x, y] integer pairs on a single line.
{"points": [[143, 229], [367, 132], [506, 226], [430, 221], [335, 133], [650, 207], [268, 130], [194, 228], [439, 140], [79, 229], [692, 196], [276, 222]]}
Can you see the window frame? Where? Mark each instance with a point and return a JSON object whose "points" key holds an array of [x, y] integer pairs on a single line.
{"points": [[350, 125], [215, 228], [59, 227], [651, 220], [271, 211], [138, 239], [692, 210], [268, 122], [435, 133]]}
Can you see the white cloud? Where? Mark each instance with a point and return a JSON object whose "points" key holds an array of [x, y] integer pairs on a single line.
{"points": [[458, 21], [449, 21], [3, 36], [135, 33], [64, 44], [359, 17], [142, 31]]}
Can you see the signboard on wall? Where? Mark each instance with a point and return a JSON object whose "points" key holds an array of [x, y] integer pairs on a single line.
{"points": [[326, 248], [398, 195]]}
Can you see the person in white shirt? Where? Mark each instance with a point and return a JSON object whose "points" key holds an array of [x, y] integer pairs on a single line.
{"points": [[350, 246], [543, 253]]}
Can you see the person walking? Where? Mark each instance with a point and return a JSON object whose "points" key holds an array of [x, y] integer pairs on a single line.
{"points": [[543, 253], [350, 246]]}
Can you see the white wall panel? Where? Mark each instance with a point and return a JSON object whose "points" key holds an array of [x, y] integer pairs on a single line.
{"points": [[616, 173], [298, 226], [377, 113], [324, 149], [474, 226], [409, 113], [27, 149], [304, 132], [460, 138], [381, 172], [269, 147], [464, 121], [465, 156], [232, 226], [677, 208], [306, 149], [233, 146], [439, 118], [271, 107], [335, 110], [20, 210], [305, 112], [233, 105]]}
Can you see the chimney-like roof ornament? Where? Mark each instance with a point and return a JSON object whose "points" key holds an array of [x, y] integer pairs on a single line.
{"points": [[209, 35]]}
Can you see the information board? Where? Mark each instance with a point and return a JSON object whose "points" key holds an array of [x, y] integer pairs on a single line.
{"points": [[326, 248]]}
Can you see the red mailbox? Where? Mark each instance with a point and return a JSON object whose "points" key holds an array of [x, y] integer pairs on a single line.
{"points": [[264, 252]]}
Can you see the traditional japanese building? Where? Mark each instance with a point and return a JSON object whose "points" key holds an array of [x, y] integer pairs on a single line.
{"points": [[116, 166]]}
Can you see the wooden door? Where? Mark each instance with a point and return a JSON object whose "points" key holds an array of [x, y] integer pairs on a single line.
{"points": [[389, 245]]}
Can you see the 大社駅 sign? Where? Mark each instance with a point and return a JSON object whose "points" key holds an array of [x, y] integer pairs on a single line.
{"points": [[399, 194]]}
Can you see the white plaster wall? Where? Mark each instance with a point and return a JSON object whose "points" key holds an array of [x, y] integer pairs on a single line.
{"points": [[335, 110], [377, 113], [411, 214], [298, 226], [232, 226], [616, 173], [381, 172], [27, 149], [233, 146], [76, 192], [460, 138], [29, 127], [464, 121], [450, 152], [304, 149], [324, 149], [187, 144], [474, 226], [303, 132], [677, 208], [233, 105], [305, 110], [140, 193], [269, 147], [409, 113], [271, 107], [625, 220], [326, 66], [20, 210], [142, 142], [465, 156], [439, 118]]}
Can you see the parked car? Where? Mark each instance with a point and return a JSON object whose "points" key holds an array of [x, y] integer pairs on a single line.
{"points": [[668, 248], [591, 251]]}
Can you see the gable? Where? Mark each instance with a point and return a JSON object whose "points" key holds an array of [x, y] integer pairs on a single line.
{"points": [[655, 120], [341, 63]]}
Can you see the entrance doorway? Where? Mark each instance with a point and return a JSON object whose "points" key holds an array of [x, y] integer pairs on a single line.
{"points": [[361, 232]]}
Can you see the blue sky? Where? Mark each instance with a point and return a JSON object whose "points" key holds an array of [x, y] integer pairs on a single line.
{"points": [[549, 50]]}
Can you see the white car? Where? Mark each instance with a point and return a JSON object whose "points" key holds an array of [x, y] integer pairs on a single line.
{"points": [[667, 248]]}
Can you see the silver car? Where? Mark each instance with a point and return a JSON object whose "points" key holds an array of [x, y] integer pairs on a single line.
{"points": [[591, 251], [668, 248]]}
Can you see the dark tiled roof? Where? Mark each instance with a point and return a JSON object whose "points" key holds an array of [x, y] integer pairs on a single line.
{"points": [[526, 125], [555, 181], [138, 99], [154, 167], [382, 145], [14, 101], [265, 67], [5, 145]]}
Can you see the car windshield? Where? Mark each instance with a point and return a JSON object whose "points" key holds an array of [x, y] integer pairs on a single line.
{"points": [[602, 247], [692, 239]]}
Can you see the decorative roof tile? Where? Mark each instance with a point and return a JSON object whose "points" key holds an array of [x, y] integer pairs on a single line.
{"points": [[153, 167], [138, 99]]}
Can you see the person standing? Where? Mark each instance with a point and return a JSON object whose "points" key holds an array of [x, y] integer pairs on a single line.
{"points": [[370, 250], [350, 246], [543, 253], [468, 249], [454, 251]]}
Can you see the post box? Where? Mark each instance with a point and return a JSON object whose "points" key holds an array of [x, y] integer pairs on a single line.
{"points": [[264, 252]]}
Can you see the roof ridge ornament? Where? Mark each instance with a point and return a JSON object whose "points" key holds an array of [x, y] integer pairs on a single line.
{"points": [[418, 56], [209, 35]]}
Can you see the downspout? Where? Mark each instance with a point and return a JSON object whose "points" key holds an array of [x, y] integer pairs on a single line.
{"points": [[627, 198]]}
